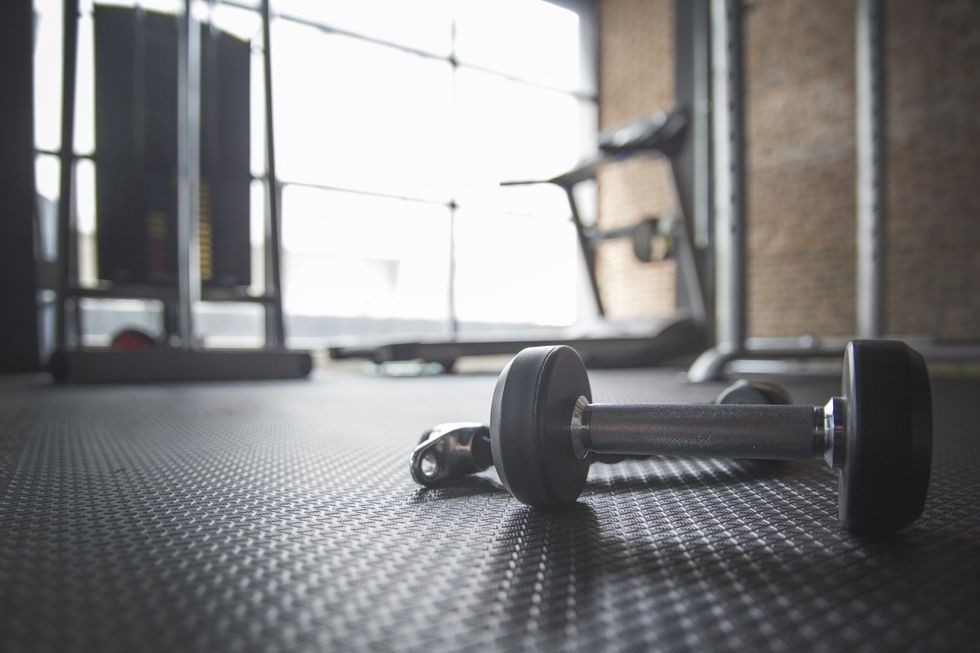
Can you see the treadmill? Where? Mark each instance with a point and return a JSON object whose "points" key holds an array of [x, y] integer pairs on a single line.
{"points": [[605, 343]]}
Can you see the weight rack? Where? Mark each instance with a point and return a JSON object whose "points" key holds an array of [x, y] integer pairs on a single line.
{"points": [[729, 173], [187, 361]]}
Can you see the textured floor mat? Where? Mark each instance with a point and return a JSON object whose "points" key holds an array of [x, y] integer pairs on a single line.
{"points": [[282, 516]]}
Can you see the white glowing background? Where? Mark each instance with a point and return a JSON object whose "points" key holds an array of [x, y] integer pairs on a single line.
{"points": [[397, 138]]}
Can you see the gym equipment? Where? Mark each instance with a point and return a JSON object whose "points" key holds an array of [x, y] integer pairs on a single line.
{"points": [[651, 239], [754, 392], [189, 196], [133, 340], [136, 140], [728, 178], [606, 344], [457, 449], [681, 137], [877, 435]]}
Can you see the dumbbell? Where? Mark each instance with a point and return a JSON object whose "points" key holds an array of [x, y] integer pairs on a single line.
{"points": [[456, 449], [544, 432]]}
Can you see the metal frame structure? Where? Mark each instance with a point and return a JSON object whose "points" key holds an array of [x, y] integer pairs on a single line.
{"points": [[188, 174], [275, 330], [189, 361], [870, 135], [692, 171], [728, 149], [728, 146]]}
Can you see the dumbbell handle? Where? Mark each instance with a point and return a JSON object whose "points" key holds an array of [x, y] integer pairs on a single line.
{"points": [[773, 432]]}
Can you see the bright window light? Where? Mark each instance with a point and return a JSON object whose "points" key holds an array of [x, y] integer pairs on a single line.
{"points": [[507, 130], [395, 123], [424, 25], [352, 114], [47, 74], [529, 39], [241, 23], [514, 269], [356, 255]]}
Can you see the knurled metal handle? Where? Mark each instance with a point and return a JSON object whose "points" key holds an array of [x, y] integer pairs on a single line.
{"points": [[775, 432]]}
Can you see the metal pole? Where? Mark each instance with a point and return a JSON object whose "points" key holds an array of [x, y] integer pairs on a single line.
{"points": [[188, 173], [453, 322], [451, 287], [691, 166], [69, 58], [588, 250], [275, 332], [870, 136], [729, 168]]}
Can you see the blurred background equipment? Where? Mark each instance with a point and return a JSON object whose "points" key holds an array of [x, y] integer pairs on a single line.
{"points": [[602, 342], [172, 199], [136, 144], [731, 217], [397, 241], [681, 138]]}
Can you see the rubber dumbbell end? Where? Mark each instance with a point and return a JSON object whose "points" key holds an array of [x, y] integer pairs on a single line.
{"points": [[530, 426]]}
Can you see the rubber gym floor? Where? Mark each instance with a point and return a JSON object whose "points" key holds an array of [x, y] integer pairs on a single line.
{"points": [[269, 516]]}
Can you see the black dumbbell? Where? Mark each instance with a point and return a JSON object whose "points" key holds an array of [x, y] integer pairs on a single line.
{"points": [[456, 449], [544, 431]]}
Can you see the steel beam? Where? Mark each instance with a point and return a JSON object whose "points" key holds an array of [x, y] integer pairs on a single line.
{"points": [[275, 332], [188, 173], [870, 137]]}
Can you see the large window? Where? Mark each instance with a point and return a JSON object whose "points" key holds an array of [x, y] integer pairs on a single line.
{"points": [[395, 123]]}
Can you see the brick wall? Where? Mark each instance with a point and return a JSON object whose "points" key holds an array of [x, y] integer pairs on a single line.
{"points": [[800, 114], [933, 181], [799, 119]]}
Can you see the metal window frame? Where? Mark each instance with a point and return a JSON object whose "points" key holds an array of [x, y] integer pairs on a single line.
{"points": [[588, 35]]}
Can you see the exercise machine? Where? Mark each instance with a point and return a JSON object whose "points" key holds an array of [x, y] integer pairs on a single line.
{"points": [[178, 356], [653, 238], [679, 136]]}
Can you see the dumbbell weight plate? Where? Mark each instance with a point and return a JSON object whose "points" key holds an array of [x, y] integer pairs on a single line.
{"points": [[529, 426], [754, 392], [888, 453], [133, 340]]}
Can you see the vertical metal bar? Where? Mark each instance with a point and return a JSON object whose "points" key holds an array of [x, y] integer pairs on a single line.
{"points": [[729, 165], [588, 250], [453, 318], [188, 172], [69, 59], [275, 332], [870, 136], [690, 166], [699, 124], [682, 163], [689, 286], [453, 208]]}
